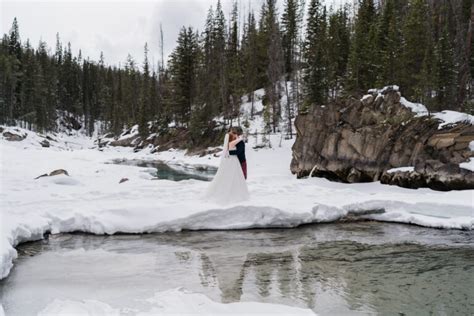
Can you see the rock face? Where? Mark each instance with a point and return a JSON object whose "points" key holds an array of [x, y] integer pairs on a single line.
{"points": [[359, 140]]}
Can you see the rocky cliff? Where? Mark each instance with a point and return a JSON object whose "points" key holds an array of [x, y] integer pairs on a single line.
{"points": [[361, 140]]}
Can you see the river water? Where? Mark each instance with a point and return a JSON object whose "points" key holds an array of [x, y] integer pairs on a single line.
{"points": [[162, 171], [353, 267]]}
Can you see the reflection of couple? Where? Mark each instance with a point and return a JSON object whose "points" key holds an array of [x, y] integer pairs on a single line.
{"points": [[229, 184]]}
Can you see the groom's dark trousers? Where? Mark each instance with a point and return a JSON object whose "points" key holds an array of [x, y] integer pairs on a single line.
{"points": [[239, 151]]}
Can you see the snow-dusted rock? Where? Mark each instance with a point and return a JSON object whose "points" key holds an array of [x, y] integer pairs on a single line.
{"points": [[359, 140], [14, 136]]}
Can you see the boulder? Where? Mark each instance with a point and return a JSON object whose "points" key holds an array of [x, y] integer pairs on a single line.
{"points": [[126, 142], [44, 143], [58, 172], [53, 173], [359, 140], [13, 137], [123, 180]]}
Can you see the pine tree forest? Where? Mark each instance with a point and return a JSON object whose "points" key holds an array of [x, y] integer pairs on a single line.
{"points": [[311, 53]]}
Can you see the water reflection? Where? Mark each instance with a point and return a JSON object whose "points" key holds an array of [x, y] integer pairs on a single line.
{"points": [[354, 267]]}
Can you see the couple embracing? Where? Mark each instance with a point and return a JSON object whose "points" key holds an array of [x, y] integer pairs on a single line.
{"points": [[228, 185]]}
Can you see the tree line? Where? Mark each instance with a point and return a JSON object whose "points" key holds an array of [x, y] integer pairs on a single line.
{"points": [[306, 56]]}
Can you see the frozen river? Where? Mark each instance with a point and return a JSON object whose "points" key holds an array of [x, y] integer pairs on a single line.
{"points": [[365, 267]]}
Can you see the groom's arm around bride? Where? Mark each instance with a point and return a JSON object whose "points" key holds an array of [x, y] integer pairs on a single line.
{"points": [[239, 150]]}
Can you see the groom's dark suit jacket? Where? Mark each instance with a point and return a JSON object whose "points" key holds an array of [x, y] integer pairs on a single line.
{"points": [[239, 151]]}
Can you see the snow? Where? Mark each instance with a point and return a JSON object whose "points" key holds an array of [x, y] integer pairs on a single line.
{"points": [[384, 89], [469, 165], [446, 117], [417, 108], [133, 132], [450, 117], [171, 302], [258, 106], [391, 87], [401, 169], [365, 97], [86, 307]]}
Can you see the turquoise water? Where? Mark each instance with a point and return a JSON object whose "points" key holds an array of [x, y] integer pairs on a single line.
{"points": [[338, 268], [162, 171]]}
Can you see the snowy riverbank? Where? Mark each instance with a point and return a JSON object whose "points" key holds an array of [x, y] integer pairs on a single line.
{"points": [[92, 200]]}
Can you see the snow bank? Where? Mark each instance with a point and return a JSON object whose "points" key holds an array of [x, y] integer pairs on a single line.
{"points": [[417, 108], [451, 117], [172, 302], [401, 169]]}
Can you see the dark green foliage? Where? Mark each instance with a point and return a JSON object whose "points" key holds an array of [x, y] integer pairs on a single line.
{"points": [[388, 45], [425, 46], [362, 69], [416, 32], [338, 47], [183, 70], [315, 55]]}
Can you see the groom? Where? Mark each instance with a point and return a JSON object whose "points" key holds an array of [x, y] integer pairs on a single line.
{"points": [[239, 149]]}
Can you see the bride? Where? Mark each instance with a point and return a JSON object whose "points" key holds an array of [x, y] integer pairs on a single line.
{"points": [[228, 185]]}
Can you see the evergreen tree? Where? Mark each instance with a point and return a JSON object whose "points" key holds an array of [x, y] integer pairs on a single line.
{"points": [[428, 76], [275, 65], [234, 68], [219, 54], [445, 70], [338, 47], [145, 101], [48, 98], [389, 45], [315, 76], [290, 22], [416, 37], [26, 112], [362, 70], [15, 52], [250, 47], [14, 43], [183, 68]]}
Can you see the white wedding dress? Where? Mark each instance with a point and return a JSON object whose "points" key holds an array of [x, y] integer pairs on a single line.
{"points": [[228, 185]]}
